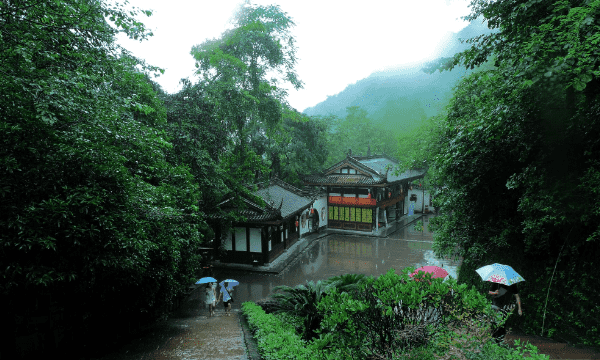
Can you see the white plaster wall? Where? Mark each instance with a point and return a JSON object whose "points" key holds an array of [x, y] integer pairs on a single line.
{"points": [[256, 291], [255, 244], [240, 239], [303, 229], [321, 206], [419, 202]]}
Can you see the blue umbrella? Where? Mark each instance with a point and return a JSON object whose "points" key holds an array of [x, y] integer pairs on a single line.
{"points": [[498, 273], [231, 283], [205, 280]]}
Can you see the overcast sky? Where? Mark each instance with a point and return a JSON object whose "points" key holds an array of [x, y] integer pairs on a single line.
{"points": [[339, 42]]}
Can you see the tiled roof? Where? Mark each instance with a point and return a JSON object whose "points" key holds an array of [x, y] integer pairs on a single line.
{"points": [[342, 179], [380, 169], [281, 200], [255, 216], [253, 212], [349, 160], [287, 196], [407, 175], [314, 193]]}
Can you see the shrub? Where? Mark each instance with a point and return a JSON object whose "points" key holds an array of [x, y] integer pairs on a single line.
{"points": [[392, 314], [346, 282], [275, 339], [302, 301]]}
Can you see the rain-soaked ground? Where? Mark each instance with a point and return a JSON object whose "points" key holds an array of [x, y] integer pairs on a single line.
{"points": [[190, 334], [341, 254]]}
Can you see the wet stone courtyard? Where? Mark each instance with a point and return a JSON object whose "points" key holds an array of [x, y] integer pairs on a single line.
{"points": [[190, 334]]}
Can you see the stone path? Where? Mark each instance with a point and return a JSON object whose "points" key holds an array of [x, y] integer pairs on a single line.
{"points": [[188, 334]]}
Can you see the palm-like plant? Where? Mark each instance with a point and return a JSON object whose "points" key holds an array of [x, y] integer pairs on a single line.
{"points": [[302, 301], [346, 282]]}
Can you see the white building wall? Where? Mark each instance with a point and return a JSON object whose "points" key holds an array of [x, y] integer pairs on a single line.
{"points": [[419, 202], [240, 239], [255, 243], [321, 206], [304, 225]]}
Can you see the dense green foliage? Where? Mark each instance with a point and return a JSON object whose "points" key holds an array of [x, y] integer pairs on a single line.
{"points": [[516, 158], [276, 339], [301, 301], [107, 182], [95, 219], [387, 317], [237, 70], [297, 145], [357, 133]]}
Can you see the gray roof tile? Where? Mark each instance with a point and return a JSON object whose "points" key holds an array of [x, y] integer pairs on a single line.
{"points": [[376, 166], [292, 201]]}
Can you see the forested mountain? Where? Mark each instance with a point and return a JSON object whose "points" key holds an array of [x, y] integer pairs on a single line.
{"points": [[397, 98]]}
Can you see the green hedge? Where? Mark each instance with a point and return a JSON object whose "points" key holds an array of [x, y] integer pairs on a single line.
{"points": [[275, 339]]}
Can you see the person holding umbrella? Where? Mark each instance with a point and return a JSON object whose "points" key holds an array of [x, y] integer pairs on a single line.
{"points": [[226, 291], [210, 295], [504, 281]]}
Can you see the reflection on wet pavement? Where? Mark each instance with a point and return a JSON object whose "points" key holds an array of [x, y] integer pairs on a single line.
{"points": [[190, 334], [336, 255]]}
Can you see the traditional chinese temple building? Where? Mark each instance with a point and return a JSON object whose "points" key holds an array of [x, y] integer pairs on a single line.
{"points": [[363, 192], [267, 231]]}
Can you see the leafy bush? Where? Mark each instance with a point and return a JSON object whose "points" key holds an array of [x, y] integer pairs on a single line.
{"points": [[302, 301], [419, 226], [392, 314], [346, 282], [276, 339], [389, 317]]}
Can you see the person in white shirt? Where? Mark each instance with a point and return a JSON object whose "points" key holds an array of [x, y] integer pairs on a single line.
{"points": [[210, 297]]}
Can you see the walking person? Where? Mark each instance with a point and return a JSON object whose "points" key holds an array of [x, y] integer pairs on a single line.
{"points": [[226, 292], [504, 290], [211, 297], [504, 300]]}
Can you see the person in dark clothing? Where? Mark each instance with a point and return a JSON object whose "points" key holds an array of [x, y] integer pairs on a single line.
{"points": [[315, 220], [504, 299]]}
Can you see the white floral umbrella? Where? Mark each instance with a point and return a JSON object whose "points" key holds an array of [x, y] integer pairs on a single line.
{"points": [[499, 273]]}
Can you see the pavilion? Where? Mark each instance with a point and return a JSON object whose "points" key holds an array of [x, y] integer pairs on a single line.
{"points": [[266, 231], [363, 192]]}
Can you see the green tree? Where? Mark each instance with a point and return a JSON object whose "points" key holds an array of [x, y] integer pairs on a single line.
{"points": [[417, 146], [358, 133], [518, 164], [298, 147], [243, 72], [93, 215]]}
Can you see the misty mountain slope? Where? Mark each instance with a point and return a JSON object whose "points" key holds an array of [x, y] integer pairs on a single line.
{"points": [[400, 98]]}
